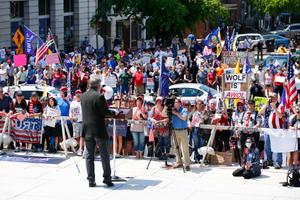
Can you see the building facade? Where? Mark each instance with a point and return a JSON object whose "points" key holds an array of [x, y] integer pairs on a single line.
{"points": [[68, 20]]}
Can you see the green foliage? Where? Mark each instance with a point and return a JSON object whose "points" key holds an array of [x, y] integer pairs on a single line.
{"points": [[165, 18], [275, 7]]}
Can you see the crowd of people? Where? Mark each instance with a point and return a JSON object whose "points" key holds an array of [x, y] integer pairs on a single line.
{"points": [[129, 73]]}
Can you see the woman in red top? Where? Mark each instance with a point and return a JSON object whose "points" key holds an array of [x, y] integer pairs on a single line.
{"points": [[57, 78], [212, 78], [159, 120]]}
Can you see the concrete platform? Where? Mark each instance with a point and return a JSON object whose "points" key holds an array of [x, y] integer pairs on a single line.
{"points": [[27, 181]]}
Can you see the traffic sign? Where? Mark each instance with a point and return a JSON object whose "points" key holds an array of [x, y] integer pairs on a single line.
{"points": [[18, 38]]}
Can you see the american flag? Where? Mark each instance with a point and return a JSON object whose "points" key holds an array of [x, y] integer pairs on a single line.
{"points": [[291, 85], [43, 49], [29, 130], [207, 51]]}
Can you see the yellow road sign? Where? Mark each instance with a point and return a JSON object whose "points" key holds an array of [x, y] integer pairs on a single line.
{"points": [[19, 50], [18, 38]]}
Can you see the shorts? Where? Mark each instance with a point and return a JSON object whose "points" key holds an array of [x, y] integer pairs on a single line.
{"points": [[77, 129], [139, 90]]}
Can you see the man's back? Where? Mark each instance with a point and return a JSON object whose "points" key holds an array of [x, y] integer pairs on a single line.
{"points": [[93, 112]]}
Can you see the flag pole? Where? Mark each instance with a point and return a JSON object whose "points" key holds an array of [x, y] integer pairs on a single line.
{"points": [[56, 49]]}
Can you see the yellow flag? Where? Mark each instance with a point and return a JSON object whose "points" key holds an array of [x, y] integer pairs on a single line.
{"points": [[49, 52], [237, 69], [44, 90], [219, 45]]}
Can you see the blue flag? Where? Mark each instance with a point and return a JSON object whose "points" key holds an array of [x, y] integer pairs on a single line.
{"points": [[163, 79], [212, 39], [247, 67], [29, 37], [231, 40]]}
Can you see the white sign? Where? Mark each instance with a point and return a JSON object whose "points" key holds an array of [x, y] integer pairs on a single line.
{"points": [[235, 86], [110, 81], [169, 62], [234, 95], [2, 53], [280, 79], [50, 119], [146, 58], [237, 78]]}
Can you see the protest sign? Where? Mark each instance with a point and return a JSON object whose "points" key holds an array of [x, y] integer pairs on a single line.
{"points": [[169, 62], [2, 53], [260, 102], [52, 59], [231, 57], [150, 83], [20, 60], [121, 127], [50, 119]]}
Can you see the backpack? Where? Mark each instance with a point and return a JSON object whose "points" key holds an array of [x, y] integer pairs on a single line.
{"points": [[293, 178]]}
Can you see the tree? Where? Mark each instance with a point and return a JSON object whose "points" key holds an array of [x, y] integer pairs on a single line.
{"points": [[274, 7], [165, 18]]}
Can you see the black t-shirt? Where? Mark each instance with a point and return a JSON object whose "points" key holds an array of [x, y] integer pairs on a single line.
{"points": [[6, 103]]}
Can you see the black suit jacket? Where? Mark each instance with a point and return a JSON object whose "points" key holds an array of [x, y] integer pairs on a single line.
{"points": [[94, 110]]}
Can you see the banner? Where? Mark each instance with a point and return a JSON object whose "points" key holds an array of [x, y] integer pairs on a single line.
{"points": [[52, 59], [283, 140], [163, 79], [29, 37], [121, 127], [29, 130], [20, 60]]}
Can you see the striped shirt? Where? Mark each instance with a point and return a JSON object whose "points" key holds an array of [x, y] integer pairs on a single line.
{"points": [[271, 118]]}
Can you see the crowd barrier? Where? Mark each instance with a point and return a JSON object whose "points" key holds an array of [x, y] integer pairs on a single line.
{"points": [[32, 127]]}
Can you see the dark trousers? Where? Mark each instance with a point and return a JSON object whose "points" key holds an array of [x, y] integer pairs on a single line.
{"points": [[90, 143], [243, 172]]}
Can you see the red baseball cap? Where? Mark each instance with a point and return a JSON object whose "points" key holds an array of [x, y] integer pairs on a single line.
{"points": [[78, 92], [64, 89]]}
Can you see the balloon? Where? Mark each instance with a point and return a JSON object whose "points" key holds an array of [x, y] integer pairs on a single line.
{"points": [[108, 92], [208, 150], [7, 139]]}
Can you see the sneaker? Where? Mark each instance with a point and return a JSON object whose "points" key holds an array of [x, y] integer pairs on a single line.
{"points": [[17, 149], [79, 152], [277, 166]]}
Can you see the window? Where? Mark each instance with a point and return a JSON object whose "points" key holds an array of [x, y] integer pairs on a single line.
{"points": [[68, 6], [44, 7], [16, 9], [295, 27], [44, 25], [187, 92]]}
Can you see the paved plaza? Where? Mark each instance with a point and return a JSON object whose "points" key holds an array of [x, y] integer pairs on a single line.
{"points": [[35, 181]]}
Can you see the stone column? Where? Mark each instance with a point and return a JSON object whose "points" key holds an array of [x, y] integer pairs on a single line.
{"points": [[31, 15], [5, 34], [57, 21], [84, 10]]}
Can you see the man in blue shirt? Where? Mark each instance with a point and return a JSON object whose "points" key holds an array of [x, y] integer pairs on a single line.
{"points": [[179, 123], [64, 105]]}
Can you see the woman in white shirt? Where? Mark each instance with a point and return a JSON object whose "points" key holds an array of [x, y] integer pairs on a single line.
{"points": [[51, 112]]}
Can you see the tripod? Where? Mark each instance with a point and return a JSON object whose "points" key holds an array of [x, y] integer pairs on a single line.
{"points": [[171, 132]]}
